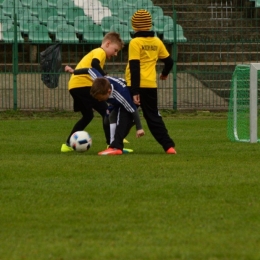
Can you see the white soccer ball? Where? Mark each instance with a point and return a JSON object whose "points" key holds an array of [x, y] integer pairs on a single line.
{"points": [[81, 141]]}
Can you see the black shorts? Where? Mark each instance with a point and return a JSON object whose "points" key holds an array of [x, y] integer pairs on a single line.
{"points": [[84, 102]]}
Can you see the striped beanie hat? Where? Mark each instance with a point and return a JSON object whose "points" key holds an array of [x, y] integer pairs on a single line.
{"points": [[142, 20]]}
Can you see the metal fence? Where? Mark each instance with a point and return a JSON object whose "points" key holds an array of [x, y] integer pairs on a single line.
{"points": [[208, 39]]}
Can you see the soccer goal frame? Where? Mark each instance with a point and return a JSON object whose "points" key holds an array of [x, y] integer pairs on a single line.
{"points": [[253, 105]]}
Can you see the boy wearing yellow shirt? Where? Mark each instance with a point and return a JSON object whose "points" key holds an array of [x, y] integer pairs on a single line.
{"points": [[80, 85], [144, 51]]}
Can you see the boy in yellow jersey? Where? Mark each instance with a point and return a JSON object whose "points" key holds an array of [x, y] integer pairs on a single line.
{"points": [[144, 51], [80, 85]]}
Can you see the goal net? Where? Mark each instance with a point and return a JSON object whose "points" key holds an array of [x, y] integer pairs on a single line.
{"points": [[243, 104]]}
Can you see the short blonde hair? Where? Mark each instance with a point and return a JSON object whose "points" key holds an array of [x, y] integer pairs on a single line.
{"points": [[115, 38], [100, 86]]}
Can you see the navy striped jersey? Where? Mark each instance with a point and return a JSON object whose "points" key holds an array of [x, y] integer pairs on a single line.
{"points": [[120, 94]]}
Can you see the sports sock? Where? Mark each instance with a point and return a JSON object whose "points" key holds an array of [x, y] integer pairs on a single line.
{"points": [[112, 132]]}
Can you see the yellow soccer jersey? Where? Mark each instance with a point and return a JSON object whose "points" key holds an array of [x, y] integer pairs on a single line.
{"points": [[84, 80], [148, 50]]}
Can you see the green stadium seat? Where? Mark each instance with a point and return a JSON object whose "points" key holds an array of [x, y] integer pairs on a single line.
{"points": [[123, 30], [25, 21], [92, 33], [8, 6], [107, 22], [129, 24], [52, 3], [38, 33], [1, 4], [36, 6], [45, 12], [8, 34], [115, 6], [53, 22], [168, 35], [20, 12], [80, 22], [131, 2], [143, 4], [6, 22], [155, 11], [159, 23], [126, 13], [66, 33], [2, 16], [26, 3], [63, 6], [72, 13]]}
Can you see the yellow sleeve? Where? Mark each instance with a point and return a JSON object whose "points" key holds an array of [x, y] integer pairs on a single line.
{"points": [[84, 80], [86, 61], [99, 54], [163, 53], [134, 50]]}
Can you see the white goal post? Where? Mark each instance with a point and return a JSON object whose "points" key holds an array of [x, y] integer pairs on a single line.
{"points": [[254, 67]]}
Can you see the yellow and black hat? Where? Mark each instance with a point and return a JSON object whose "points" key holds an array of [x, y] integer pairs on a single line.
{"points": [[142, 20]]}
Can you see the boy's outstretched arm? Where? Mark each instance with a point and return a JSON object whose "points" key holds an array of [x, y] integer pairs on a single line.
{"points": [[76, 72], [168, 63], [81, 71], [92, 72]]}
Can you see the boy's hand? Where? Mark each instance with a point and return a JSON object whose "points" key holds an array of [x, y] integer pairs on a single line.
{"points": [[136, 99], [139, 133], [69, 69], [162, 77]]}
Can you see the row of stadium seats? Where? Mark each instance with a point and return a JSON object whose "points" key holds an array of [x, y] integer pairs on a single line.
{"points": [[104, 3], [82, 29], [69, 9], [65, 20]]}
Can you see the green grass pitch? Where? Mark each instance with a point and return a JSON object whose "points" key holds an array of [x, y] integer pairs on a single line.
{"points": [[202, 203]]}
